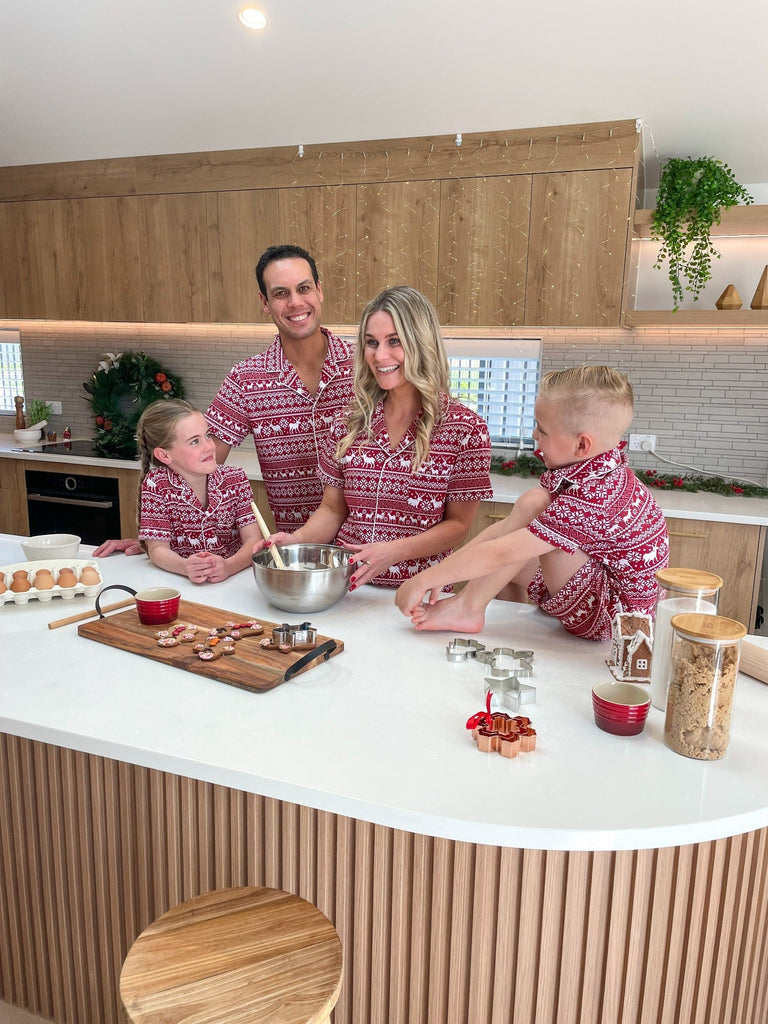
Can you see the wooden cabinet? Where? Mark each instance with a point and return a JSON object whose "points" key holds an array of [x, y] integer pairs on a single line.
{"points": [[240, 226], [174, 260], [397, 237], [13, 498], [70, 259], [732, 550], [484, 225], [578, 248], [323, 220]]}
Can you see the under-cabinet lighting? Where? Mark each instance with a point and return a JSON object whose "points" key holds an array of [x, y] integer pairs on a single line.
{"points": [[253, 18]]}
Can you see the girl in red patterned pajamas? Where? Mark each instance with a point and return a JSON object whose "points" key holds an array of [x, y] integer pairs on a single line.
{"points": [[405, 468], [586, 544], [194, 516]]}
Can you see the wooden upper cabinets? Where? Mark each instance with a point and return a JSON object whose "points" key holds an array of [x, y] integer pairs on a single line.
{"points": [[491, 247], [71, 259]]}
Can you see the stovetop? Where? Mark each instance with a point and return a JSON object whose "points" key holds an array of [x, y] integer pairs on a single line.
{"points": [[64, 449]]}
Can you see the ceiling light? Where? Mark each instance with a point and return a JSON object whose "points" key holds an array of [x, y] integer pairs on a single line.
{"points": [[253, 18]]}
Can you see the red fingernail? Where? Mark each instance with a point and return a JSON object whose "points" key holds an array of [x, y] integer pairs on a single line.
{"points": [[352, 586]]}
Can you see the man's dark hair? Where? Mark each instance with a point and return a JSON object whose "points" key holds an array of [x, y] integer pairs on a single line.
{"points": [[283, 252]]}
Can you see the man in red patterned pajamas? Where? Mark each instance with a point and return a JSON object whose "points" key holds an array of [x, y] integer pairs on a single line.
{"points": [[586, 543], [287, 396]]}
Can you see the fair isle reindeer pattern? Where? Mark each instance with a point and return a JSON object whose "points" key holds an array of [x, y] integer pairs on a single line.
{"points": [[170, 511], [600, 507], [264, 396], [387, 500]]}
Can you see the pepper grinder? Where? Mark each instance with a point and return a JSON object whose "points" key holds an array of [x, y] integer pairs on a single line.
{"points": [[21, 422]]}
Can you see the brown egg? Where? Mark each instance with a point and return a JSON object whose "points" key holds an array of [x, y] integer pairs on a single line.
{"points": [[66, 579], [89, 577], [3, 587], [43, 579], [20, 586], [21, 574]]}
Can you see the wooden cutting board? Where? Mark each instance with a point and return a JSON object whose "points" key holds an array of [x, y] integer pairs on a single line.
{"points": [[251, 667]]}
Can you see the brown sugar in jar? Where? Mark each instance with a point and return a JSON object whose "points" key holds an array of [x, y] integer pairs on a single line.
{"points": [[704, 666]]}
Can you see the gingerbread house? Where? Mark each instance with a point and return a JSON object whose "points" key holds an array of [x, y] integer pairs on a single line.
{"points": [[632, 647]]}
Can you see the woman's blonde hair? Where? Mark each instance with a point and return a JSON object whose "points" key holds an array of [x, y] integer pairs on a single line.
{"points": [[425, 366], [589, 395], [157, 429]]}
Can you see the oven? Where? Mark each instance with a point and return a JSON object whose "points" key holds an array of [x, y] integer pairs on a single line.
{"points": [[88, 506]]}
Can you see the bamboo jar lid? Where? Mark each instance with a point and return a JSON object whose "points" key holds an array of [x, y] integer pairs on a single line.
{"points": [[689, 580], [710, 628]]}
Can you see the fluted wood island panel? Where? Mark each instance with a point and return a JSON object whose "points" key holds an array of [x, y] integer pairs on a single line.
{"points": [[92, 850]]}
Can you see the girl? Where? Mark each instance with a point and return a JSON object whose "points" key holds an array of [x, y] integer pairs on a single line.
{"points": [[405, 468], [194, 516]]}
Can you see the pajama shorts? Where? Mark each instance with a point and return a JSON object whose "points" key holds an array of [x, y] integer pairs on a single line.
{"points": [[585, 606]]}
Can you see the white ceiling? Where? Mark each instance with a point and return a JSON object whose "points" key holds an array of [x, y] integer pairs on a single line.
{"points": [[97, 78]]}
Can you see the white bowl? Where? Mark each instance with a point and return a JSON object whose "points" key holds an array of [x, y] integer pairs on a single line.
{"points": [[27, 436], [50, 545]]}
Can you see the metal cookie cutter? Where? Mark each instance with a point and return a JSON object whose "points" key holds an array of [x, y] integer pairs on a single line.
{"points": [[301, 637], [460, 649], [519, 662], [504, 685]]}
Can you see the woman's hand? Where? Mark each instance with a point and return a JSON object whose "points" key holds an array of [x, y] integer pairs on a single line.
{"points": [[371, 560], [278, 539]]}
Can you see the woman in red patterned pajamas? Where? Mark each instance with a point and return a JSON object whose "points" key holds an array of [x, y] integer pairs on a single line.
{"points": [[405, 468]]}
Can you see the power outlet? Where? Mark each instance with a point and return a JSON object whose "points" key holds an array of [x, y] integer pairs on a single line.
{"points": [[55, 408], [642, 442]]}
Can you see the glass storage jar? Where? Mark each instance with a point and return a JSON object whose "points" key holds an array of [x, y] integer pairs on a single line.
{"points": [[680, 590], [704, 666]]}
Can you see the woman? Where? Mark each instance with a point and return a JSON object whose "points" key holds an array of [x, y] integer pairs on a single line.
{"points": [[405, 468]]}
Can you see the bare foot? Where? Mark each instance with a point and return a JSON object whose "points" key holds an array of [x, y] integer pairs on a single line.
{"points": [[450, 614]]}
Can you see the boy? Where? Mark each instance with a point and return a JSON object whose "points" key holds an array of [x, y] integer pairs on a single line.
{"points": [[586, 543]]}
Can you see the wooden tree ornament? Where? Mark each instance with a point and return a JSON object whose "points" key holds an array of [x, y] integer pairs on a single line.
{"points": [[730, 299], [760, 298]]}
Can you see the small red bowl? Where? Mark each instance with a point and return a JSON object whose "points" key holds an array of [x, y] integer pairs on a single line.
{"points": [[618, 728], [620, 708], [157, 605]]}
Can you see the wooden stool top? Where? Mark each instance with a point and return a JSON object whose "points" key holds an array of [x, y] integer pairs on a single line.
{"points": [[234, 954]]}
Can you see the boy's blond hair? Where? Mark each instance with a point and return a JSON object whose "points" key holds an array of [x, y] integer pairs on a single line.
{"points": [[591, 399]]}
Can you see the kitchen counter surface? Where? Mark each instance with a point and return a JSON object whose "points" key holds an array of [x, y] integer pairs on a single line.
{"points": [[377, 733], [676, 505]]}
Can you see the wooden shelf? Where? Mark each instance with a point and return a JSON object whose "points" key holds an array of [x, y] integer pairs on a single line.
{"points": [[697, 318], [738, 220]]}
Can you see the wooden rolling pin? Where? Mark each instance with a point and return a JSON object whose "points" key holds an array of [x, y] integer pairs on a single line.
{"points": [[754, 661], [265, 534], [89, 615]]}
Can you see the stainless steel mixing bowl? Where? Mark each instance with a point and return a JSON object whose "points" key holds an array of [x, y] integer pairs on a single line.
{"points": [[315, 577]]}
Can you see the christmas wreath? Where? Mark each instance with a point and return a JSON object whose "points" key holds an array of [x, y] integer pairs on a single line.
{"points": [[121, 389]]}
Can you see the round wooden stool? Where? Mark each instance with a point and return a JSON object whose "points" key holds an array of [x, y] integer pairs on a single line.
{"points": [[247, 954]]}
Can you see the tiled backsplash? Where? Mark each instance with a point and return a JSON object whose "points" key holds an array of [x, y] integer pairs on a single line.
{"points": [[702, 392]]}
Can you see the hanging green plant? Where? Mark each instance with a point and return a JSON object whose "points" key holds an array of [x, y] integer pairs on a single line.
{"points": [[692, 193], [121, 389]]}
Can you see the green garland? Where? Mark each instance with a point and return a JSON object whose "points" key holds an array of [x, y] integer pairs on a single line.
{"points": [[121, 389], [529, 465]]}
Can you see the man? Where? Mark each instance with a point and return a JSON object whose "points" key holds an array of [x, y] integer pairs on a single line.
{"points": [[287, 396]]}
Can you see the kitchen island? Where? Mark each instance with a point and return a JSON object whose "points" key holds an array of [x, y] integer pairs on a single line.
{"points": [[597, 878]]}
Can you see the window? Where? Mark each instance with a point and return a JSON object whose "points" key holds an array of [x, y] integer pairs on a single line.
{"points": [[11, 379], [499, 379]]}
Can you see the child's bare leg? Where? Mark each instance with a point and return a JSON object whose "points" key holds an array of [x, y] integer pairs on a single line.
{"points": [[465, 612]]}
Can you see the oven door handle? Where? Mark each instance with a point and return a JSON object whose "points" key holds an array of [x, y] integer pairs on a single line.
{"points": [[70, 501]]}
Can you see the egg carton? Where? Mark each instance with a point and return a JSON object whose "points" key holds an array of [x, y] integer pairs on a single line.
{"points": [[55, 565]]}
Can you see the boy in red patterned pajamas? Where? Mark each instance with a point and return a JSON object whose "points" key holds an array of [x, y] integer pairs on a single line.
{"points": [[586, 543]]}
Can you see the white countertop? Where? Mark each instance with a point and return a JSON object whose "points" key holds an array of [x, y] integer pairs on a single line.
{"points": [[676, 505], [378, 732]]}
